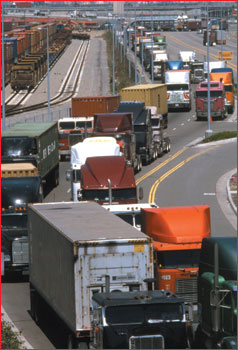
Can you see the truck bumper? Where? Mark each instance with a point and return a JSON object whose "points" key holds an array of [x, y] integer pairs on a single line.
{"points": [[179, 105]]}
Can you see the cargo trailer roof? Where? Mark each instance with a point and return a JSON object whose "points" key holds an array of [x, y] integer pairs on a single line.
{"points": [[28, 129], [86, 221], [143, 87]]}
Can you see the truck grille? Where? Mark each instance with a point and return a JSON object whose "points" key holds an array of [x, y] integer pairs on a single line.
{"points": [[146, 342], [177, 98], [20, 254], [186, 288], [205, 106]]}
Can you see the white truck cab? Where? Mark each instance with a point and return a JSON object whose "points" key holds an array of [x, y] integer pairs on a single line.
{"points": [[89, 147]]}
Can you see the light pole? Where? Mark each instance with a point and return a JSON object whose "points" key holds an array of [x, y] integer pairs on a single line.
{"points": [[135, 51], [113, 62], [48, 72], [208, 132], [3, 78], [152, 56], [129, 54]]}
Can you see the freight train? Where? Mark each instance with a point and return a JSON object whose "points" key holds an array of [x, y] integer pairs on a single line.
{"points": [[25, 58]]}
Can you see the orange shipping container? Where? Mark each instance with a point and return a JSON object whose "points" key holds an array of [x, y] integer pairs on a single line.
{"points": [[88, 106]]}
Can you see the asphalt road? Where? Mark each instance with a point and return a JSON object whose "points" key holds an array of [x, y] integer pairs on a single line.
{"points": [[184, 186]]}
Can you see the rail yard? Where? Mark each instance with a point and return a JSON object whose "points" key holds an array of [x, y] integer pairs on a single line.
{"points": [[111, 210]]}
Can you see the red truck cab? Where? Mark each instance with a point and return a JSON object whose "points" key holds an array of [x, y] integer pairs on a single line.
{"points": [[108, 179], [217, 100]]}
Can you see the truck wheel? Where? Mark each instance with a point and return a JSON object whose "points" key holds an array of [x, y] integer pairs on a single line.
{"points": [[62, 158], [82, 345]]}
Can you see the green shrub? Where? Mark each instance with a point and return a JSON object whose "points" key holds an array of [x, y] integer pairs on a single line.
{"points": [[220, 136], [9, 338]]}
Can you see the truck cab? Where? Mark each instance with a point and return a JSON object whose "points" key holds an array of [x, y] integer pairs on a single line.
{"points": [[187, 57], [108, 179], [217, 294], [197, 72], [20, 185], [138, 320], [217, 100], [178, 89], [90, 147], [159, 63], [71, 131], [227, 79]]}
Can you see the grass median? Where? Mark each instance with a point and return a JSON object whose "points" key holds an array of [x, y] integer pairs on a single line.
{"points": [[220, 136]]}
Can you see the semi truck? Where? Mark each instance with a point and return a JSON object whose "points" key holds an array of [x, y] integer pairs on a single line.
{"points": [[217, 100], [151, 95], [108, 179], [177, 234], [89, 147], [174, 65], [178, 89], [88, 106], [72, 247], [212, 65], [71, 131], [227, 79], [145, 146], [139, 320], [35, 143], [197, 72], [159, 65], [187, 57], [120, 126], [20, 185], [217, 294]]}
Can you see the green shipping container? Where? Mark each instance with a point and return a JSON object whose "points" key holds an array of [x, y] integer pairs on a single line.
{"points": [[44, 137]]}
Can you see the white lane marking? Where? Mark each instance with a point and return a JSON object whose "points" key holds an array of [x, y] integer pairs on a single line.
{"points": [[182, 124], [188, 120], [174, 128], [193, 116], [209, 194], [69, 190]]}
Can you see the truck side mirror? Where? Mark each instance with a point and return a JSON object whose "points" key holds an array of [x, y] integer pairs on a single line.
{"points": [[141, 193], [68, 175]]}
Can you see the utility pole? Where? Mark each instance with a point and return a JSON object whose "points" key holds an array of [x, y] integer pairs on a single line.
{"points": [[152, 56]]}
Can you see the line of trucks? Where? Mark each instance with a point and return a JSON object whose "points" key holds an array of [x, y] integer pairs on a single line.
{"points": [[179, 75], [110, 301]]}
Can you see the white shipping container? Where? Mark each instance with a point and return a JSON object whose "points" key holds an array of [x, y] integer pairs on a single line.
{"points": [[73, 246]]}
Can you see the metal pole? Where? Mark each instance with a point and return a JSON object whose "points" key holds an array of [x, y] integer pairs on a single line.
{"points": [[129, 54], [221, 37], [135, 52], [3, 77], [209, 131], [152, 56], [120, 44], [48, 73], [113, 62]]}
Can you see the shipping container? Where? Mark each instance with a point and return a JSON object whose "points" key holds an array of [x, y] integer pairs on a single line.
{"points": [[72, 247], [150, 94], [13, 41], [88, 106]]}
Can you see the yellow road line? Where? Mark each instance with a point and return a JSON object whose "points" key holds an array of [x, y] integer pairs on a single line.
{"points": [[154, 187], [160, 165], [200, 50]]}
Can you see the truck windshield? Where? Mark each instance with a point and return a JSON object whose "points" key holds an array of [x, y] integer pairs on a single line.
{"points": [[138, 314], [176, 258], [67, 125], [228, 88], [177, 87], [103, 195], [13, 220], [217, 93], [80, 125], [18, 146]]}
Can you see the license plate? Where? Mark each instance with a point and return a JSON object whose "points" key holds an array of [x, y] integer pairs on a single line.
{"points": [[176, 105]]}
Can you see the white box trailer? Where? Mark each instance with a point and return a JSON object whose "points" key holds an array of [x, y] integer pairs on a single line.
{"points": [[72, 247]]}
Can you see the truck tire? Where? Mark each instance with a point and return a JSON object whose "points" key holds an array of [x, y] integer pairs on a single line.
{"points": [[82, 345]]}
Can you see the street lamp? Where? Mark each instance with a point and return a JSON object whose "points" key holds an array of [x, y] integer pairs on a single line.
{"points": [[113, 62], [48, 73], [208, 132]]}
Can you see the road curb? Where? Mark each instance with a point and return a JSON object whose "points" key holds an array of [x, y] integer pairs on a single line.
{"points": [[228, 190], [6, 318]]}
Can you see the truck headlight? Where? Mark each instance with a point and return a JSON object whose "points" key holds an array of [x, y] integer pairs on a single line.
{"points": [[7, 257]]}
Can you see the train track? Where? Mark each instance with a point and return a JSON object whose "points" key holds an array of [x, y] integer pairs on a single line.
{"points": [[63, 95]]}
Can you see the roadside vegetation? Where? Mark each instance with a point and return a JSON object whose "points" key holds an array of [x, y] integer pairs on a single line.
{"points": [[220, 136], [9, 338], [121, 65]]}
